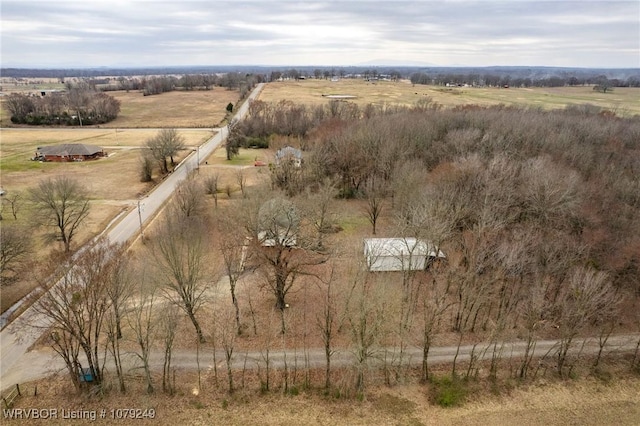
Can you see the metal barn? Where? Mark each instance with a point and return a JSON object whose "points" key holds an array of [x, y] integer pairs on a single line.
{"points": [[399, 254]]}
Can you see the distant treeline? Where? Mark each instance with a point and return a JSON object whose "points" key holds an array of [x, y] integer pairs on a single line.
{"points": [[80, 105], [495, 80], [516, 76], [160, 84]]}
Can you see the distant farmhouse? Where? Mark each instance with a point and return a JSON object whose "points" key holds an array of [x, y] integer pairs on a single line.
{"points": [[289, 154], [69, 152], [399, 254]]}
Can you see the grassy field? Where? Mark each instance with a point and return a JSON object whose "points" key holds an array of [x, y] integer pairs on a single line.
{"points": [[19, 145], [113, 182], [173, 109], [199, 109], [621, 100]]}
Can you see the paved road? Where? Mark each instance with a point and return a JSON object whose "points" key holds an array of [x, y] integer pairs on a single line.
{"points": [[41, 363], [17, 337]]}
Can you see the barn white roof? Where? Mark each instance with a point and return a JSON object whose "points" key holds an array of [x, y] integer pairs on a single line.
{"points": [[400, 247]]}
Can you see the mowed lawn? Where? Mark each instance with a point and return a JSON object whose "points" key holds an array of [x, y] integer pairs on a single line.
{"points": [[623, 100]]}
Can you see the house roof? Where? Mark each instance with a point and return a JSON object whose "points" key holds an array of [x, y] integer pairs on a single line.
{"points": [[288, 151], [68, 149], [399, 247]]}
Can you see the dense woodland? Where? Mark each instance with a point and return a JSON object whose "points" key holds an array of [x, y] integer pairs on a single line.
{"points": [[572, 174]]}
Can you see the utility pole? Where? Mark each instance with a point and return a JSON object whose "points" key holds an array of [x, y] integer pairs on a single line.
{"points": [[140, 210], [198, 158]]}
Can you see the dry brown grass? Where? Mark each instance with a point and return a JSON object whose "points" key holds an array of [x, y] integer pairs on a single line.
{"points": [[205, 108], [580, 403], [193, 109], [622, 100], [114, 177], [113, 183]]}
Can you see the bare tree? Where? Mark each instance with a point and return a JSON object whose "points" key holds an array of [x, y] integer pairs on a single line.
{"points": [[234, 249], [76, 306], [319, 212], [119, 288], [283, 251], [15, 201], [329, 322], [180, 250], [589, 295], [188, 199], [534, 313], [241, 178], [168, 327], [365, 315], [166, 144], [142, 321], [227, 335], [234, 139], [375, 193], [211, 187], [61, 203], [15, 246], [146, 165]]}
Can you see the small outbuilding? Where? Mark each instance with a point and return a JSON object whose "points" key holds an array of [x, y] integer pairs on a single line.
{"points": [[399, 254], [278, 223], [69, 152], [289, 154]]}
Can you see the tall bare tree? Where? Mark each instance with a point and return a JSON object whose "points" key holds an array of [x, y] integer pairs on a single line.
{"points": [[588, 295], [143, 323], [63, 204], [15, 246], [366, 315], [329, 322], [168, 328], [77, 306], [119, 288], [227, 335], [234, 248], [282, 249], [375, 194], [180, 250]]}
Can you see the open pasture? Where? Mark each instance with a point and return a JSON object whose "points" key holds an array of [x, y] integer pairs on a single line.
{"points": [[113, 182], [204, 109], [624, 101], [192, 109], [19, 145]]}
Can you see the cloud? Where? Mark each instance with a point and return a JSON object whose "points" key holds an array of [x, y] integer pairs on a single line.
{"points": [[481, 33]]}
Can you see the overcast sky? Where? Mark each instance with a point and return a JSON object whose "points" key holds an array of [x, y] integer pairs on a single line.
{"points": [[93, 33]]}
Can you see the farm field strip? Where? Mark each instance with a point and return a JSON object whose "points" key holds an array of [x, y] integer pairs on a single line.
{"points": [[624, 100]]}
